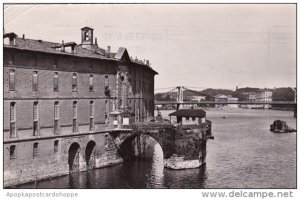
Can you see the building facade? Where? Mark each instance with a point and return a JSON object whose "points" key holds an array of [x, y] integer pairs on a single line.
{"points": [[61, 100], [262, 95], [226, 99]]}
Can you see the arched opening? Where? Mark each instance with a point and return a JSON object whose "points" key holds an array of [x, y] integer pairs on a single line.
{"points": [[73, 159], [90, 155], [140, 146], [143, 157]]}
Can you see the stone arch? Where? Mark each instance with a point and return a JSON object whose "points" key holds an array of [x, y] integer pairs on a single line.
{"points": [[74, 157], [128, 149], [90, 155]]}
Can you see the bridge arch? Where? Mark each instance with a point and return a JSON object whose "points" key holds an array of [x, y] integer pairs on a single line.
{"points": [[90, 155], [135, 146], [74, 157]]}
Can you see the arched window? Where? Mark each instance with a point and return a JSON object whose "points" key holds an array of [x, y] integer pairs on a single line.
{"points": [[55, 146], [12, 152], [91, 83], [35, 81], [55, 81]]}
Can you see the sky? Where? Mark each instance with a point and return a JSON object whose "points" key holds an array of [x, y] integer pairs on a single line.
{"points": [[193, 45]]}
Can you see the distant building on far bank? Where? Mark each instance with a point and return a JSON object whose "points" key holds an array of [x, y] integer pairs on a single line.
{"points": [[261, 95], [264, 95], [226, 99], [197, 98]]}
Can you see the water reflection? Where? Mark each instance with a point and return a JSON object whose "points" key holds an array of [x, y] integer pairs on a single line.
{"points": [[189, 178]]}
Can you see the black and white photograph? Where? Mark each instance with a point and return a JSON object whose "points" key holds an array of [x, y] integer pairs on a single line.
{"points": [[150, 96]]}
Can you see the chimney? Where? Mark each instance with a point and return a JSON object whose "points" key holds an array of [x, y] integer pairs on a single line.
{"points": [[23, 36], [108, 49], [72, 49], [136, 59], [96, 43], [62, 46], [147, 62]]}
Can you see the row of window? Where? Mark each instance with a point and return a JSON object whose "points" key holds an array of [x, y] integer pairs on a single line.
{"points": [[12, 81], [35, 151], [56, 118]]}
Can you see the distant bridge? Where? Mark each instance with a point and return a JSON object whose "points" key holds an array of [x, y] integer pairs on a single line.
{"points": [[224, 103], [180, 100]]}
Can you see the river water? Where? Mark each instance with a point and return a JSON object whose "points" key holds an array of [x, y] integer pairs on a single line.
{"points": [[244, 154]]}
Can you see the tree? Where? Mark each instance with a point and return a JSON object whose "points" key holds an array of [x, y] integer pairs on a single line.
{"points": [[283, 94]]}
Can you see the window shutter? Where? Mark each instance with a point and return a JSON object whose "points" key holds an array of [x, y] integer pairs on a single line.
{"points": [[12, 80], [35, 82], [74, 110], [12, 112], [35, 111], [56, 111], [91, 109], [55, 82]]}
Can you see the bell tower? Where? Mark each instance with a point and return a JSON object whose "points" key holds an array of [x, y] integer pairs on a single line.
{"points": [[87, 36]]}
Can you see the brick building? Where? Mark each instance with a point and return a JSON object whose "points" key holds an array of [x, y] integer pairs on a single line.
{"points": [[62, 99]]}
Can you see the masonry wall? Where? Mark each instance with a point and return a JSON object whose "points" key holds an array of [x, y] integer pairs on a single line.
{"points": [[23, 167], [48, 163]]}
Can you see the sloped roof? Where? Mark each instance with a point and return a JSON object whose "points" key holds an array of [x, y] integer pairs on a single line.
{"points": [[189, 113], [86, 27], [10, 34], [52, 47], [122, 53]]}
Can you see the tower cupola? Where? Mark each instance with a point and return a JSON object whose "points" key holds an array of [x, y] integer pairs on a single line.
{"points": [[87, 36]]}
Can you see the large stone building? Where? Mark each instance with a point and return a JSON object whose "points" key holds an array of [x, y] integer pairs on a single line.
{"points": [[61, 100]]}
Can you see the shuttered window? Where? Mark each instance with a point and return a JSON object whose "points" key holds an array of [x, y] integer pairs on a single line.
{"points": [[74, 126], [92, 115], [12, 120], [12, 80], [74, 109], [91, 83], [35, 119], [56, 110], [55, 82], [12, 111], [56, 117], [91, 108], [35, 111], [34, 81], [35, 150], [74, 82]]}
